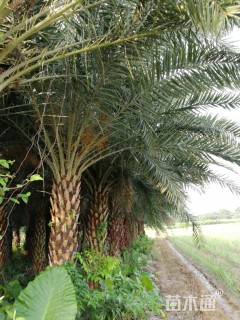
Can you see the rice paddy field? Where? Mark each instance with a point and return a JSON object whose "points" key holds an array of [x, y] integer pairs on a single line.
{"points": [[220, 254]]}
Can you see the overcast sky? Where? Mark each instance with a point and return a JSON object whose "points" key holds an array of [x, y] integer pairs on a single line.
{"points": [[215, 198]]}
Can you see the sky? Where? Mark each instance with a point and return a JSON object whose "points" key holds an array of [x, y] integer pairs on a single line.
{"points": [[234, 38], [215, 197]]}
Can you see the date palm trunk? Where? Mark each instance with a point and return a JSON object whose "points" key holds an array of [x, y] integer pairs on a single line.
{"points": [[115, 232], [65, 210], [134, 232], [128, 232], [96, 231], [5, 237], [141, 230], [39, 254]]}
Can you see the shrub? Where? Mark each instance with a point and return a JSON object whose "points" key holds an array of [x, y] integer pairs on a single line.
{"points": [[117, 297], [124, 290], [136, 257]]}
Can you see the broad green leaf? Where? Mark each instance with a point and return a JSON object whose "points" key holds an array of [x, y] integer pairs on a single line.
{"points": [[1, 199], [50, 296], [146, 282], [35, 177], [12, 315]]}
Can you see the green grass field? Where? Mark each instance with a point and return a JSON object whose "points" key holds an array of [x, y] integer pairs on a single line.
{"points": [[220, 254]]}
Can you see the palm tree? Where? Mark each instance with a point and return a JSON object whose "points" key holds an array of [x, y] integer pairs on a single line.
{"points": [[6, 237], [39, 245], [99, 182], [121, 202], [37, 231], [148, 197], [75, 139], [101, 103], [20, 55]]}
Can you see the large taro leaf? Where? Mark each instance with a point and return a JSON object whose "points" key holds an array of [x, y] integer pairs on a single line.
{"points": [[50, 296]]}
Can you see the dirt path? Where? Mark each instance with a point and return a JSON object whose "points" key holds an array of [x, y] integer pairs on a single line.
{"points": [[188, 293]]}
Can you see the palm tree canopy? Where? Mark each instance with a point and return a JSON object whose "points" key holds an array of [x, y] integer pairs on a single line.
{"points": [[100, 24]]}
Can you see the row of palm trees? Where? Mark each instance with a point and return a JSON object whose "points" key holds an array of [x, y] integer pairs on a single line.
{"points": [[116, 125]]}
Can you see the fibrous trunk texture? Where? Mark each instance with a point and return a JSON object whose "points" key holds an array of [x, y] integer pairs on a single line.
{"points": [[65, 210], [134, 233], [36, 235], [141, 227], [39, 254], [96, 232], [115, 233], [129, 232], [5, 237]]}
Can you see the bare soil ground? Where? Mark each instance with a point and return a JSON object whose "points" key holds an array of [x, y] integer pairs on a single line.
{"points": [[189, 294]]}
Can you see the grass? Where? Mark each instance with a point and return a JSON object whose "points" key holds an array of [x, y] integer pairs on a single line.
{"points": [[220, 254], [206, 222]]}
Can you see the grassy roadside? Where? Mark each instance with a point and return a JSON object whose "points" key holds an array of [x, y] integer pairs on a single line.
{"points": [[205, 222], [221, 257]]}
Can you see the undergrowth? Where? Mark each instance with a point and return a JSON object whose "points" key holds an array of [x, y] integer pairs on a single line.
{"points": [[106, 288], [122, 289]]}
